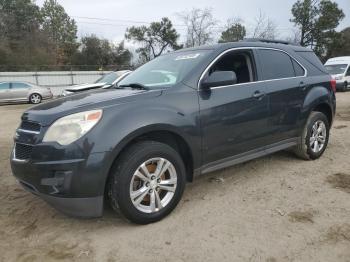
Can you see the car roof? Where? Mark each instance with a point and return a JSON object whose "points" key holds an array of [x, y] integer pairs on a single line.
{"points": [[249, 43]]}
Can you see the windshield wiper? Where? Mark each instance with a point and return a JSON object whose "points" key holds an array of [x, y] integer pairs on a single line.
{"points": [[135, 86]]}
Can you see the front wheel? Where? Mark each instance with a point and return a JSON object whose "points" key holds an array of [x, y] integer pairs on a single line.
{"points": [[147, 182], [314, 139], [35, 98]]}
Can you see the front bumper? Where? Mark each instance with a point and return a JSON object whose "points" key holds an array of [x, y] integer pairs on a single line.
{"points": [[73, 186], [89, 207]]}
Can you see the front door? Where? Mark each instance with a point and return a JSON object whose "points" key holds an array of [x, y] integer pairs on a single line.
{"points": [[233, 118]]}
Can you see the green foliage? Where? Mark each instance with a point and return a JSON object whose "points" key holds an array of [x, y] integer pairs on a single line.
{"points": [[154, 39], [96, 51], [21, 39], [234, 33], [341, 45], [61, 29], [317, 21], [33, 39]]}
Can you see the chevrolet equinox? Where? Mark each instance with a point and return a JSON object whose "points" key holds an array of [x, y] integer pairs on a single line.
{"points": [[182, 114]]}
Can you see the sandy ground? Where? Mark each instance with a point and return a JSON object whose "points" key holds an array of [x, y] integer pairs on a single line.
{"points": [[277, 208]]}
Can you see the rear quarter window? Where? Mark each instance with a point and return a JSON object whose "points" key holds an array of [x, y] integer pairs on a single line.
{"points": [[317, 66]]}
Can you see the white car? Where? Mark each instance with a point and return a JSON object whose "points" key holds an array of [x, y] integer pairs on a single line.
{"points": [[111, 79], [339, 68]]}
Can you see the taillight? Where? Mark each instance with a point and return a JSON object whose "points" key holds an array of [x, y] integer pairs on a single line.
{"points": [[334, 85]]}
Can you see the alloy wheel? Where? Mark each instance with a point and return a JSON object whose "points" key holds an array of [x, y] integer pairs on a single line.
{"points": [[35, 98], [318, 136], [153, 185]]}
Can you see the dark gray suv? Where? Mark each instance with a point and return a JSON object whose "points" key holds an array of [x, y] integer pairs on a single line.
{"points": [[183, 114]]}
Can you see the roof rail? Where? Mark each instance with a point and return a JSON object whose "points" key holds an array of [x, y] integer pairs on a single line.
{"points": [[268, 41]]}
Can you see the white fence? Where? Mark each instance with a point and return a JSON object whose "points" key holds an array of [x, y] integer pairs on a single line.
{"points": [[56, 80]]}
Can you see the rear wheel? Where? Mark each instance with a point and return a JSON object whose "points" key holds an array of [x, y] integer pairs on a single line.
{"points": [[314, 139], [35, 98], [147, 182]]}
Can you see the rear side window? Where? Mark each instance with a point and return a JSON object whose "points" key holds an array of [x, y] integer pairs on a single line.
{"points": [[4, 86], [19, 86], [275, 64]]}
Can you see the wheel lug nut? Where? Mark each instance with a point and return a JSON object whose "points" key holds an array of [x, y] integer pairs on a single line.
{"points": [[150, 191], [147, 184], [157, 188], [159, 180], [153, 177]]}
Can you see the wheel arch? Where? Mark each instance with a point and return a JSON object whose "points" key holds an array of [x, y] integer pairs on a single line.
{"points": [[160, 133], [318, 99]]}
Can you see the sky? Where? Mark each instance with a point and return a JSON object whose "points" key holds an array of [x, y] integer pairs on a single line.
{"points": [[110, 18]]}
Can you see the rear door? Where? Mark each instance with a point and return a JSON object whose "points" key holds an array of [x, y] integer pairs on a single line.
{"points": [[233, 118], [5, 91], [19, 91], [286, 84]]}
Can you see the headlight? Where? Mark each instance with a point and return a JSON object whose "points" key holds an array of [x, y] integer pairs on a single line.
{"points": [[70, 128], [338, 78]]}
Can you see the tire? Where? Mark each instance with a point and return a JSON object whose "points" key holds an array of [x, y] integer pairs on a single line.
{"points": [[346, 86], [122, 181], [305, 149], [35, 98]]}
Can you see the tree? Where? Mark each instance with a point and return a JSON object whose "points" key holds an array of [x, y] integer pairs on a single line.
{"points": [[200, 25], [18, 18], [234, 32], [22, 41], [61, 29], [100, 53], [341, 45], [154, 39], [264, 27], [121, 55], [317, 21]]}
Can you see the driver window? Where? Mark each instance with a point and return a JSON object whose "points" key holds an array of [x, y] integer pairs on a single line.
{"points": [[241, 63], [348, 72]]}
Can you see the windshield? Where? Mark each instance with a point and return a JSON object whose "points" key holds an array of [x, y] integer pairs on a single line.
{"points": [[336, 69], [109, 78], [166, 70]]}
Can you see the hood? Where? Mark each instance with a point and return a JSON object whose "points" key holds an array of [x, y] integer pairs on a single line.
{"points": [[82, 87], [48, 112]]}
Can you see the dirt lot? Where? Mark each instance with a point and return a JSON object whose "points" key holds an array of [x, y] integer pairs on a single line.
{"points": [[276, 208]]}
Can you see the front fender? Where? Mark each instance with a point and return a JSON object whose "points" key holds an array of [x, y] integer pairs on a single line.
{"points": [[176, 113]]}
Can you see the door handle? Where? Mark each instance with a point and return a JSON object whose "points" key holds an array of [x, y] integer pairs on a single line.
{"points": [[258, 94]]}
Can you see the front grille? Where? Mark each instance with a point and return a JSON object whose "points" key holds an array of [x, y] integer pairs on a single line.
{"points": [[22, 151], [30, 126]]}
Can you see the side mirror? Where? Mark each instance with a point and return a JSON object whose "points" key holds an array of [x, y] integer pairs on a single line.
{"points": [[219, 78]]}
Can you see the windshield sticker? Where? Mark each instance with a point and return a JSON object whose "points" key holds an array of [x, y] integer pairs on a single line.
{"points": [[185, 57]]}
